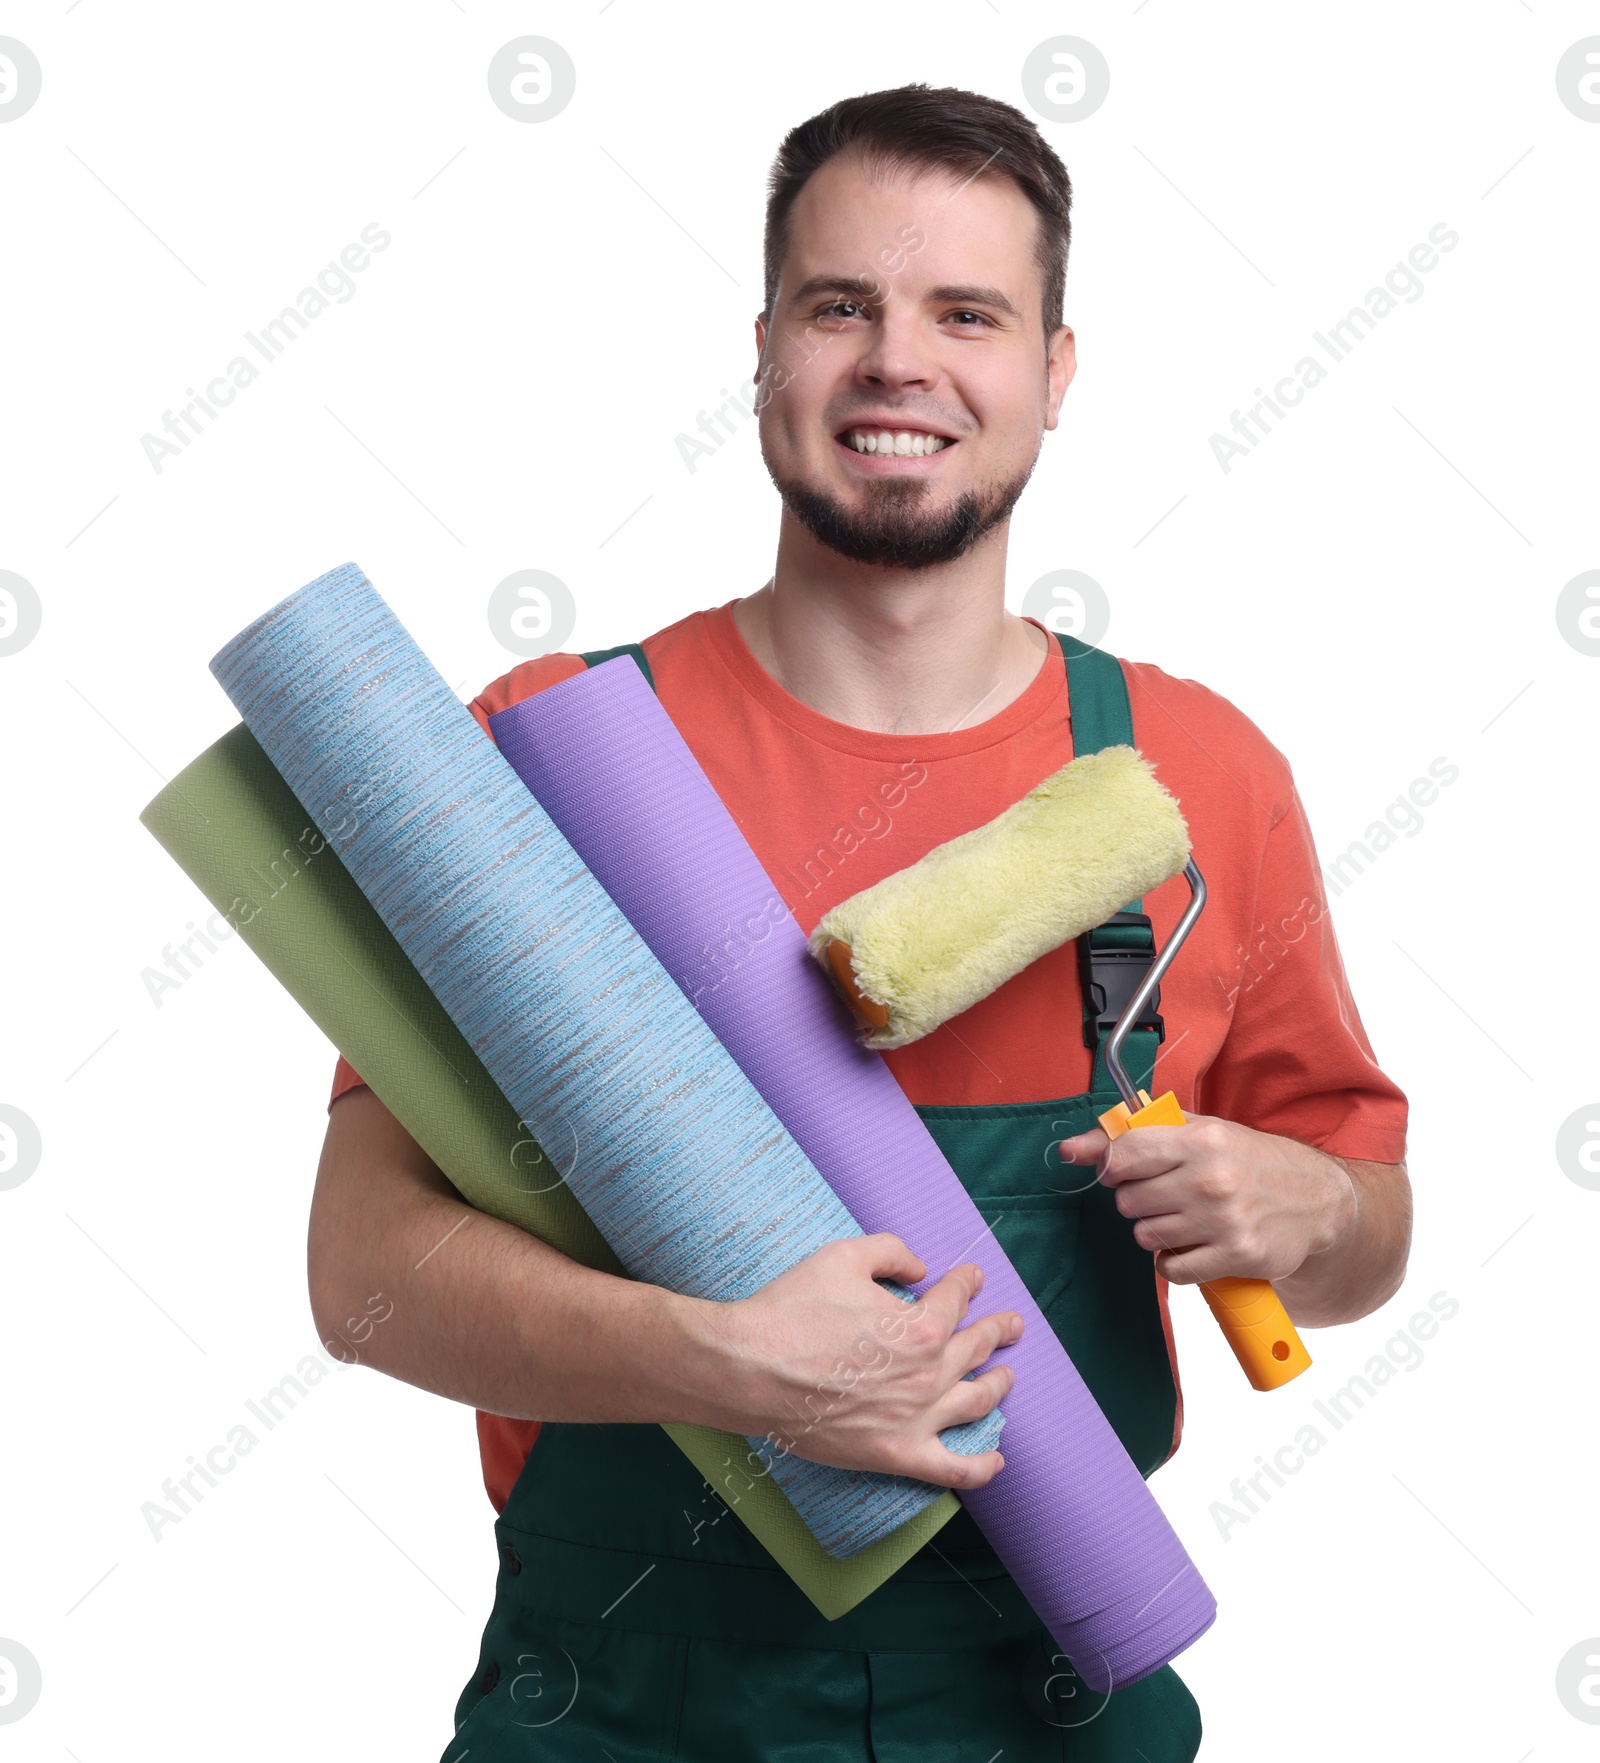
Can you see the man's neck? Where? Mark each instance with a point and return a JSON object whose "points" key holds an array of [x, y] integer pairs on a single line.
{"points": [[898, 652]]}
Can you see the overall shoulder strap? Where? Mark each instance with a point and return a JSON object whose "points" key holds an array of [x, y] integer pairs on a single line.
{"points": [[1098, 697], [1113, 957], [593, 658]]}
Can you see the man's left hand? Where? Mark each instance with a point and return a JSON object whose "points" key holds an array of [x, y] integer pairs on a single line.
{"points": [[1214, 1199]]}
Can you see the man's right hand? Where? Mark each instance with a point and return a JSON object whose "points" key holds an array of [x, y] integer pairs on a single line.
{"points": [[832, 1367]]}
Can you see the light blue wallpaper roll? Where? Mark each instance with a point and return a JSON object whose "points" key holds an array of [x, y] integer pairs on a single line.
{"points": [[670, 1150]]}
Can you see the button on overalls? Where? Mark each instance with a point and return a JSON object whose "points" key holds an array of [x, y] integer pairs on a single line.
{"points": [[636, 1619]]}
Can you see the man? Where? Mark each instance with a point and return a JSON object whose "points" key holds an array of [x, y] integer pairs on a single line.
{"points": [[872, 700]]}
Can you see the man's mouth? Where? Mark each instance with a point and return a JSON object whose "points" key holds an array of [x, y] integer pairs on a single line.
{"points": [[902, 443]]}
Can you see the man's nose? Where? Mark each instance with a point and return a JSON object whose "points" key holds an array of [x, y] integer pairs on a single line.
{"points": [[898, 351]]}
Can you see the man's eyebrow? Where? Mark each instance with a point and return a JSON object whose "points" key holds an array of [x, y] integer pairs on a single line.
{"points": [[858, 287], [964, 294]]}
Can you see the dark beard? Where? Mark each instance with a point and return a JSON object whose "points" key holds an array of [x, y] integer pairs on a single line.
{"points": [[894, 532]]}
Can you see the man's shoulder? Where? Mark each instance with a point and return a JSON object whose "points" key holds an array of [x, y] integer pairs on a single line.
{"points": [[1200, 728], [528, 677]]}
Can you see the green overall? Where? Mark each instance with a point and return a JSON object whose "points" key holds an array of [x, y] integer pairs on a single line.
{"points": [[636, 1619]]}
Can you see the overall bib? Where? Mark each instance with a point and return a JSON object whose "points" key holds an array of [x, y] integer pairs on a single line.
{"points": [[636, 1619]]}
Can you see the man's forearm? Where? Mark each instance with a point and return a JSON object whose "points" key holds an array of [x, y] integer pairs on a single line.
{"points": [[1364, 1265], [481, 1312]]}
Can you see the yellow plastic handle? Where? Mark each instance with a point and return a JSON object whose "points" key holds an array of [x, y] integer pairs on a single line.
{"points": [[1250, 1312]]}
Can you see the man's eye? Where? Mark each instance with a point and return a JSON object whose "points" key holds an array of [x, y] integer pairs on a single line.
{"points": [[835, 310], [965, 314]]}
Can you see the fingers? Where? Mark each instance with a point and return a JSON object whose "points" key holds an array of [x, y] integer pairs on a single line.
{"points": [[1178, 1269], [949, 1469], [1151, 1196], [887, 1415], [1152, 1150], [947, 1301], [1084, 1147], [1136, 1156], [1164, 1217], [969, 1348], [1196, 1264], [1175, 1210], [972, 1398]]}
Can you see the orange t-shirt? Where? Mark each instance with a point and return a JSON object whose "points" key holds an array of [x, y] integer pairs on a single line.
{"points": [[1261, 1025]]}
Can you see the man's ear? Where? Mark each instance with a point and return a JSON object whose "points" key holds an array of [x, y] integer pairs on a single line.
{"points": [[1061, 363], [761, 341]]}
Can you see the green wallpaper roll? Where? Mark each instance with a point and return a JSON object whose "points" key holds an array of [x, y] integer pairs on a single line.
{"points": [[236, 830]]}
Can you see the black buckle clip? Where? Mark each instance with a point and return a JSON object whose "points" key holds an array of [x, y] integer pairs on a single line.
{"points": [[1110, 972]]}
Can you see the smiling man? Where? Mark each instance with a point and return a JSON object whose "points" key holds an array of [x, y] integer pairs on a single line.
{"points": [[873, 699]]}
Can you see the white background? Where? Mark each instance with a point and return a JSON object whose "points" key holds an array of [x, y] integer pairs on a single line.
{"points": [[1375, 585]]}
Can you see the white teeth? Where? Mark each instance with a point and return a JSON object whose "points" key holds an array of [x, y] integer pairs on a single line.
{"points": [[904, 443]]}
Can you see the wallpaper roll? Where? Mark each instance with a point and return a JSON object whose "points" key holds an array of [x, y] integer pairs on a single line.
{"points": [[235, 828], [667, 1146], [1069, 1515]]}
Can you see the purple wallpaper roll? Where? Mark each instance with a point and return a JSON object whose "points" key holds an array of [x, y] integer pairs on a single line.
{"points": [[1069, 1516]]}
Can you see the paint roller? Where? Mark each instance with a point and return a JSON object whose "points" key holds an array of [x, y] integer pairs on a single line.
{"points": [[931, 940]]}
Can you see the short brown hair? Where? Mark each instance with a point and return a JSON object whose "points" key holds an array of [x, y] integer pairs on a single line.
{"points": [[918, 125]]}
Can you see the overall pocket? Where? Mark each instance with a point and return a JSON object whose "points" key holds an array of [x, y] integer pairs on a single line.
{"points": [[1039, 1232], [1032, 1201]]}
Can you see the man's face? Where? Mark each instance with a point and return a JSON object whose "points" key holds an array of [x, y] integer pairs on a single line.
{"points": [[907, 315]]}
